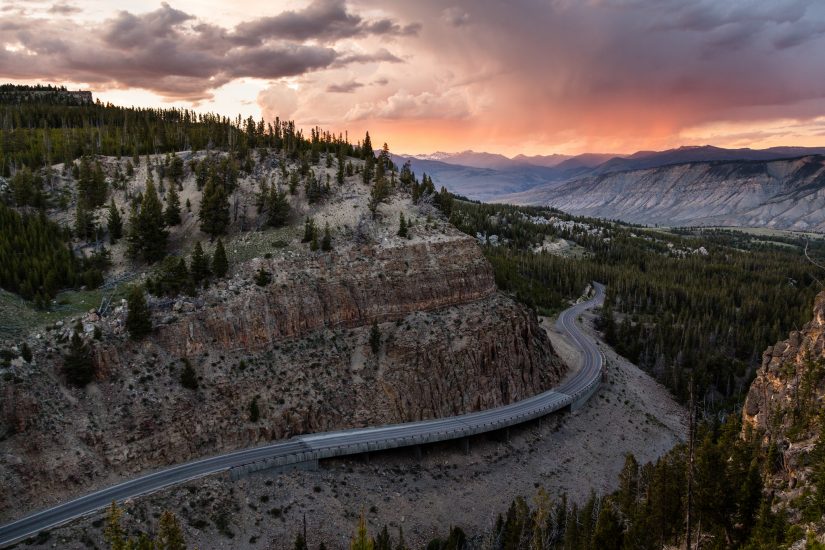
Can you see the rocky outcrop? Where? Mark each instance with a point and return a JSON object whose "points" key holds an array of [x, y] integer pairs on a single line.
{"points": [[784, 403], [299, 347], [311, 292]]}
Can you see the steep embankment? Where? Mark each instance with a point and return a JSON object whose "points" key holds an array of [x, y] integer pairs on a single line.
{"points": [[299, 347], [784, 406], [782, 194]]}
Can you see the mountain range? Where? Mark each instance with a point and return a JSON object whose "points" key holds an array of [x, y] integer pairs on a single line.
{"points": [[780, 187]]}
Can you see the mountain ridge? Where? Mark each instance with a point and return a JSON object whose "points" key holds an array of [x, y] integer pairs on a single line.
{"points": [[780, 194]]}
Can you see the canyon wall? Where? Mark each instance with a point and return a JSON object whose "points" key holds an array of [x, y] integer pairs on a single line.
{"points": [[298, 347]]}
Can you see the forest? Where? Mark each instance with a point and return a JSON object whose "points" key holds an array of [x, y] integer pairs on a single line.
{"points": [[700, 303], [50, 130], [43, 127]]}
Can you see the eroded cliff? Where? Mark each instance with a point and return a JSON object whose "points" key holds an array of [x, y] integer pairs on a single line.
{"points": [[298, 347], [784, 407]]}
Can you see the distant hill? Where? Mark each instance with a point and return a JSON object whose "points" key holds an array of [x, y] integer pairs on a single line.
{"points": [[781, 193], [531, 179], [704, 153], [484, 184]]}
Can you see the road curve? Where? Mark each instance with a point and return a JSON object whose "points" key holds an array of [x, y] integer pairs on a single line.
{"points": [[569, 395]]}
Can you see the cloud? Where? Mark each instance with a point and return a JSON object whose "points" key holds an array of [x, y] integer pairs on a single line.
{"points": [[407, 105], [455, 16], [278, 100], [623, 74], [64, 8], [378, 56], [323, 20], [178, 56], [345, 87]]}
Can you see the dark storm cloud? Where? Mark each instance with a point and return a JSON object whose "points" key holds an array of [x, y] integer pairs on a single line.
{"points": [[624, 67], [176, 55], [323, 20]]}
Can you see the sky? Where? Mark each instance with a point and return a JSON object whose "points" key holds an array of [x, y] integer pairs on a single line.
{"points": [[506, 76]]}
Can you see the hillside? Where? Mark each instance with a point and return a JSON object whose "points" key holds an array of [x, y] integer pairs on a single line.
{"points": [[781, 194], [299, 346]]}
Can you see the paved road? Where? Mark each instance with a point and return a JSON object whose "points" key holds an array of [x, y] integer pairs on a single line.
{"points": [[570, 394]]}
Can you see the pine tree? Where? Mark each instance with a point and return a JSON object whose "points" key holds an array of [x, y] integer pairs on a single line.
{"points": [[309, 230], [170, 535], [147, 236], [138, 320], [254, 410], [214, 212], [326, 242], [115, 223], [172, 213], [362, 540], [84, 221], [402, 227], [220, 265], [375, 337], [199, 265], [113, 533], [339, 174], [277, 208], [77, 363]]}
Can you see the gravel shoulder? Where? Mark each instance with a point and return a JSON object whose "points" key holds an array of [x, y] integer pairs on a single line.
{"points": [[572, 454]]}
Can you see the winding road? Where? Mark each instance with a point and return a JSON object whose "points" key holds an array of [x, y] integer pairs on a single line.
{"points": [[308, 449]]}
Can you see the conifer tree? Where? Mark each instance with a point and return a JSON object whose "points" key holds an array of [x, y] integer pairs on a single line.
{"points": [[147, 236], [214, 212], [77, 363], [254, 410], [170, 535], [84, 221], [402, 227], [138, 320], [113, 533], [339, 174], [326, 242], [379, 193], [199, 265], [172, 213], [115, 223], [310, 231], [362, 540], [277, 208], [220, 264]]}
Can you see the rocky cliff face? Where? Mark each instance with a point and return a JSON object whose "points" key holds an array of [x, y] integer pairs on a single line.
{"points": [[299, 347], [783, 194], [785, 403]]}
